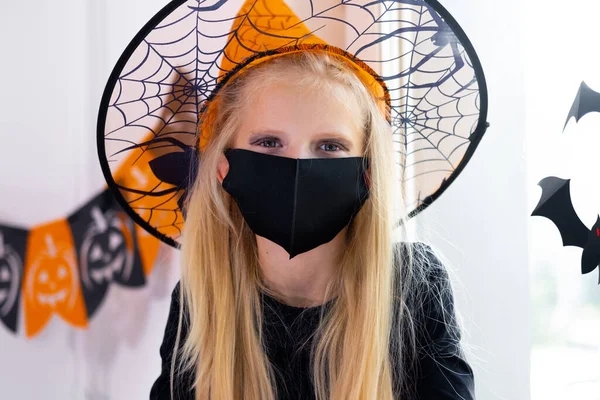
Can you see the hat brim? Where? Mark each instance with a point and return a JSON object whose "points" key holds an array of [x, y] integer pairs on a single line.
{"points": [[146, 131]]}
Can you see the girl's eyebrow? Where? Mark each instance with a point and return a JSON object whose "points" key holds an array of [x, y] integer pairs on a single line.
{"points": [[262, 131]]}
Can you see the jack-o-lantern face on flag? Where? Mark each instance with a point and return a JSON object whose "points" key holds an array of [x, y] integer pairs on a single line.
{"points": [[13, 242], [161, 99], [51, 278], [106, 249]]}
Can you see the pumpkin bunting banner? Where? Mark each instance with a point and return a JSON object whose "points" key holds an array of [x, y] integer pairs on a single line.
{"points": [[65, 267]]}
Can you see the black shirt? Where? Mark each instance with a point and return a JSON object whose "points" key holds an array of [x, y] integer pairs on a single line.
{"points": [[442, 372]]}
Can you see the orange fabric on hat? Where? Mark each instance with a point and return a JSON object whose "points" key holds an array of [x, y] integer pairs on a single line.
{"points": [[148, 247], [276, 29], [135, 172]]}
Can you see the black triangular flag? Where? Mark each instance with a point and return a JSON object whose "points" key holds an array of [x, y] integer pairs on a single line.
{"points": [[13, 244], [107, 251]]}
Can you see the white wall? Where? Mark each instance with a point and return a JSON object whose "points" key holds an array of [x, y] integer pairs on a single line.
{"points": [[55, 64], [56, 58]]}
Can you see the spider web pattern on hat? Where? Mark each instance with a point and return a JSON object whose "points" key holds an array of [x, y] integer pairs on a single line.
{"points": [[148, 117]]}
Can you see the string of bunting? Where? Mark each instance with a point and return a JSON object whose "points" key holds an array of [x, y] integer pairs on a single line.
{"points": [[65, 267]]}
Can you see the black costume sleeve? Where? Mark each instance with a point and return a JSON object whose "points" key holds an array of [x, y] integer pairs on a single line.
{"points": [[444, 373], [161, 389]]}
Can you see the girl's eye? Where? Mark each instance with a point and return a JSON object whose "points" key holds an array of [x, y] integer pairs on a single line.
{"points": [[330, 147], [269, 143]]}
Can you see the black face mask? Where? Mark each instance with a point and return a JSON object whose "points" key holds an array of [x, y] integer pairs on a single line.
{"points": [[299, 204]]}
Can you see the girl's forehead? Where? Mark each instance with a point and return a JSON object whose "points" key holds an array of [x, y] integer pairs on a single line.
{"points": [[310, 109]]}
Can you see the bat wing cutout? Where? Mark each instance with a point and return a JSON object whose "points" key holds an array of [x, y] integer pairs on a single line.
{"points": [[556, 205], [590, 258], [586, 101]]}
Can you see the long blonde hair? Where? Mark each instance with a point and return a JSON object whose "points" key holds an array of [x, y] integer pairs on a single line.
{"points": [[221, 279]]}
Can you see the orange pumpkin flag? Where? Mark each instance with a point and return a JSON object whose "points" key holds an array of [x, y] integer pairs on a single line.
{"points": [[51, 284]]}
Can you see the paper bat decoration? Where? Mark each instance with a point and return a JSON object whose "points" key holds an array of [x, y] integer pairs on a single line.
{"points": [[586, 101], [556, 205]]}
